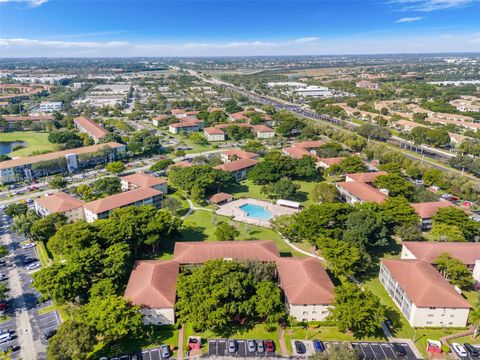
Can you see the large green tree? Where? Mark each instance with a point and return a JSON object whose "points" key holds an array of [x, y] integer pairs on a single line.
{"points": [[73, 340], [44, 228], [357, 310], [453, 216], [282, 189], [396, 185], [455, 271]]}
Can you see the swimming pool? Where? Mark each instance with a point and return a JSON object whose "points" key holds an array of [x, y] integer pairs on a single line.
{"points": [[256, 212]]}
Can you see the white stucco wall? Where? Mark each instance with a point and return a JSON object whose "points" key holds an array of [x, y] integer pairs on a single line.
{"points": [[438, 317], [308, 312], [165, 316]]}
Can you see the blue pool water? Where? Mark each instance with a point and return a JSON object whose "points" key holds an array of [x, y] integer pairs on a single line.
{"points": [[256, 212]]}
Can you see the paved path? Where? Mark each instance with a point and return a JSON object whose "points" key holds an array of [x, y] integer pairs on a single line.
{"points": [[180, 342], [281, 341]]}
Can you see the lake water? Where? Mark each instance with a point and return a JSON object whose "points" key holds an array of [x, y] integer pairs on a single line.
{"points": [[6, 147]]}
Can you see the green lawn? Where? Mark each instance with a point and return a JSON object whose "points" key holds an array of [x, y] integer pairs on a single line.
{"points": [[151, 336], [35, 141], [200, 226], [42, 254], [247, 188]]}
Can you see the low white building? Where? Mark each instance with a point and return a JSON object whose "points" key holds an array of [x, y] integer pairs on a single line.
{"points": [[214, 134], [308, 290], [424, 297], [314, 92], [152, 285], [60, 203], [50, 106], [263, 132], [238, 168]]}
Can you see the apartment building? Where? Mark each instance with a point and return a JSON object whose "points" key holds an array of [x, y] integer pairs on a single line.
{"points": [[101, 209], [91, 128], [238, 168], [50, 106], [26, 122], [213, 134], [139, 180], [424, 297], [367, 177], [186, 125], [66, 161], [427, 210], [263, 132], [60, 203], [232, 155], [360, 192]]}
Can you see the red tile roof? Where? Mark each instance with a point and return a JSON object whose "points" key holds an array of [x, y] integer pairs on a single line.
{"points": [[297, 153], [199, 252], [59, 202], [144, 180], [91, 127], [181, 164], [363, 191], [241, 154], [309, 144], [220, 197], [332, 161], [239, 116], [305, 281], [56, 155], [262, 129], [424, 285], [367, 177], [428, 209], [153, 283], [428, 251], [223, 126], [237, 165], [122, 199], [213, 131]]}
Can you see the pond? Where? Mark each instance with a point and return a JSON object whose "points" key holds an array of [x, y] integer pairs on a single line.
{"points": [[6, 147]]}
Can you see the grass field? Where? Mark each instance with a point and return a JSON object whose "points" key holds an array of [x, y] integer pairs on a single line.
{"points": [[200, 226], [35, 142]]}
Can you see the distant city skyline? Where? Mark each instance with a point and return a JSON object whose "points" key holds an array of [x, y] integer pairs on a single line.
{"points": [[59, 28]]}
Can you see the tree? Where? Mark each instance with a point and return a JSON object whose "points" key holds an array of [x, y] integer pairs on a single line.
{"points": [[117, 262], [409, 232], [57, 182], [365, 227], [22, 223], [446, 232], [282, 189], [19, 208], [474, 318], [226, 231], [268, 302], [71, 238], [198, 138], [453, 216], [288, 124], [397, 212], [111, 317], [340, 351], [305, 168], [329, 150], [172, 204], [355, 310], [432, 177], [374, 132], [343, 258], [3, 251], [115, 167], [254, 146], [161, 165], [44, 228], [107, 186], [455, 271], [73, 340], [349, 165], [396, 185], [324, 192]]}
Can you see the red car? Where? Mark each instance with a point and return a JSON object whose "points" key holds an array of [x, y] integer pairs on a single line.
{"points": [[3, 306], [270, 346]]}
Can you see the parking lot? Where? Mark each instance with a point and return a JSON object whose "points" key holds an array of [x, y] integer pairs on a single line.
{"points": [[468, 356], [218, 347], [380, 350], [9, 325], [48, 322]]}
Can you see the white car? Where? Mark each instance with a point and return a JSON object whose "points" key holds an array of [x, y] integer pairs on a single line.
{"points": [[28, 245], [459, 349], [33, 266]]}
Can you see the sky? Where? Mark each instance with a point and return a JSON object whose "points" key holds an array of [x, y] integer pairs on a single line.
{"points": [[124, 28]]}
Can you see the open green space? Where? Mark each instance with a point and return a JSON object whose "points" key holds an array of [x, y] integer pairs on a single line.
{"points": [[196, 148], [246, 188], [151, 336], [36, 142], [200, 226]]}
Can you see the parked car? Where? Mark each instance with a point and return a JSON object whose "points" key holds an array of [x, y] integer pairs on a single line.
{"points": [[459, 349], [318, 345], [251, 345], [2, 276], [33, 266], [472, 350], [165, 349], [260, 346], [232, 346], [399, 350], [49, 334], [5, 336], [29, 261], [270, 346], [28, 245], [300, 347]]}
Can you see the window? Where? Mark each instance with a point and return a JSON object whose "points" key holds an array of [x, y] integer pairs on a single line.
{"points": [[430, 315], [429, 322], [305, 313], [304, 320], [314, 312], [432, 308], [452, 315], [450, 323]]}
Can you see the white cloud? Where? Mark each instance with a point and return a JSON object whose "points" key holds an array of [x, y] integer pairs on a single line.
{"points": [[31, 3], [21, 47], [409, 19], [432, 5]]}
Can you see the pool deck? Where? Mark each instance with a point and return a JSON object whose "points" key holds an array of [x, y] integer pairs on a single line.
{"points": [[232, 209]]}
